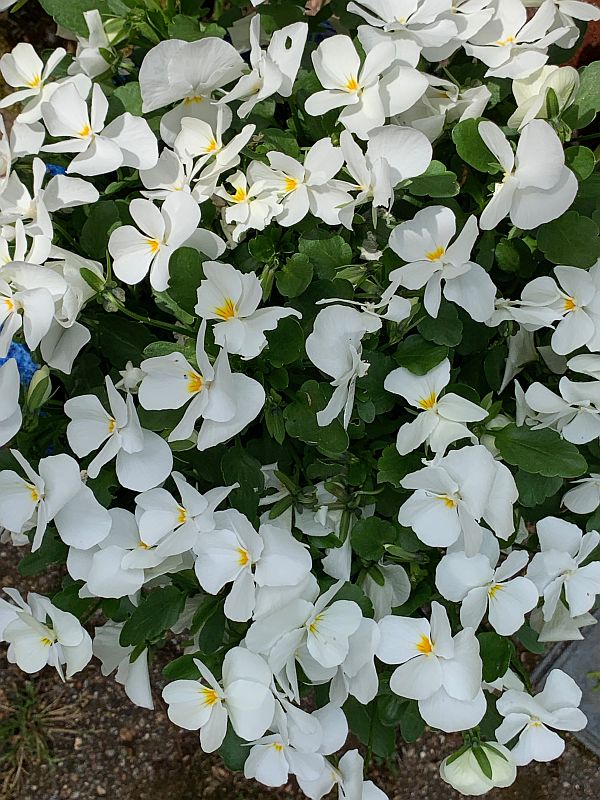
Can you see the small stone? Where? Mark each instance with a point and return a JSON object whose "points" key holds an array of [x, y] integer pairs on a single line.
{"points": [[127, 734], [100, 791], [78, 743]]}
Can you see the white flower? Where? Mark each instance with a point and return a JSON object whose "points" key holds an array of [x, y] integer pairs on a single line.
{"points": [[531, 93], [575, 413], [131, 377], [33, 310], [38, 633], [566, 11], [235, 553], [463, 772], [250, 208], [424, 242], [244, 698], [127, 141], [559, 567], [394, 592], [190, 72], [533, 718], [512, 46], [441, 672], [473, 582], [347, 776], [233, 297], [453, 495], [272, 758], [562, 627], [5, 156], [172, 173], [143, 458], [133, 675], [272, 71], [442, 419], [335, 347], [56, 494], [584, 497], [10, 410], [175, 225], [89, 58], [226, 401], [536, 187]]}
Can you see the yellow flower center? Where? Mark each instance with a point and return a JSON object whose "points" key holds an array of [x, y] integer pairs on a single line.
{"points": [[448, 501], [290, 184], [85, 132], [33, 492], [569, 304], [314, 625], [227, 310], [424, 645], [276, 746], [436, 254], [187, 101], [195, 382], [209, 696], [35, 82], [428, 402], [504, 42], [243, 557], [46, 641], [239, 196], [181, 515], [10, 305], [493, 590], [211, 146], [351, 85], [112, 424], [153, 244]]}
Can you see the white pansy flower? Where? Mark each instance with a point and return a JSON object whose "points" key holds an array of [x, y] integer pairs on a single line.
{"points": [[535, 719], [133, 675], [566, 12], [463, 772], [584, 497], [441, 421], [394, 592], [10, 410], [249, 206], [536, 187], [575, 413], [348, 776], [531, 93], [32, 310], [442, 672]]}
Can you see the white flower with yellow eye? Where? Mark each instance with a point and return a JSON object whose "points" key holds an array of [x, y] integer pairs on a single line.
{"points": [[38, 633], [225, 401], [244, 698], [249, 206], [143, 458], [232, 297], [442, 672], [10, 410], [442, 419]]}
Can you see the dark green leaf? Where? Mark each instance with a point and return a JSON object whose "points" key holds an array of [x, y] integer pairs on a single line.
{"points": [[541, 452], [156, 613], [418, 355], [495, 653], [471, 147], [570, 239]]}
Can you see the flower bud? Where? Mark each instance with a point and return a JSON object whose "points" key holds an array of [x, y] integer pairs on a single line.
{"points": [[475, 770], [39, 389]]}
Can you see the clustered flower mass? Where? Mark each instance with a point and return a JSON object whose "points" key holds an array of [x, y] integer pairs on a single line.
{"points": [[300, 370]]}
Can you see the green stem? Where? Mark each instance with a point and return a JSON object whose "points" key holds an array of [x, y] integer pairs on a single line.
{"points": [[149, 321]]}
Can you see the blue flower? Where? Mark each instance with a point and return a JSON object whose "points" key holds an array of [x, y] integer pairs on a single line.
{"points": [[55, 169], [26, 365]]}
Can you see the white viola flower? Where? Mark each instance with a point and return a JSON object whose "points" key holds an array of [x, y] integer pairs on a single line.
{"points": [[34, 208], [410, 24], [477, 586], [535, 719], [366, 98], [56, 494], [19, 249], [5, 156], [531, 93], [566, 12], [584, 497], [25, 71], [575, 413], [249, 207], [273, 70], [89, 58], [393, 155], [511, 45], [323, 627], [348, 776], [32, 310], [335, 347], [38, 633], [232, 297], [187, 73], [175, 525], [127, 141], [562, 627], [463, 772], [27, 139], [235, 553], [162, 231], [225, 401], [172, 173], [131, 377], [586, 364], [301, 188], [441, 421], [133, 675], [143, 458], [10, 410], [469, 16], [244, 698], [560, 567], [575, 303], [442, 672], [394, 592], [424, 242], [120, 564], [536, 186], [455, 494]]}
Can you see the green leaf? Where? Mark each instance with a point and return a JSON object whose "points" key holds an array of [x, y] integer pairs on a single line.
{"points": [[211, 634], [392, 467], [541, 452], [418, 355], [483, 761], [471, 147], [238, 466], [353, 592], [126, 98], [68, 599], [436, 181], [364, 722], [52, 551], [495, 654], [185, 269], [445, 329], [529, 639], [294, 276], [103, 218], [370, 535], [69, 13], [390, 709], [279, 141], [182, 669], [156, 613], [587, 101], [190, 29], [326, 254], [412, 725], [121, 340], [286, 342], [581, 160], [234, 751], [301, 421], [570, 239], [534, 489]]}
